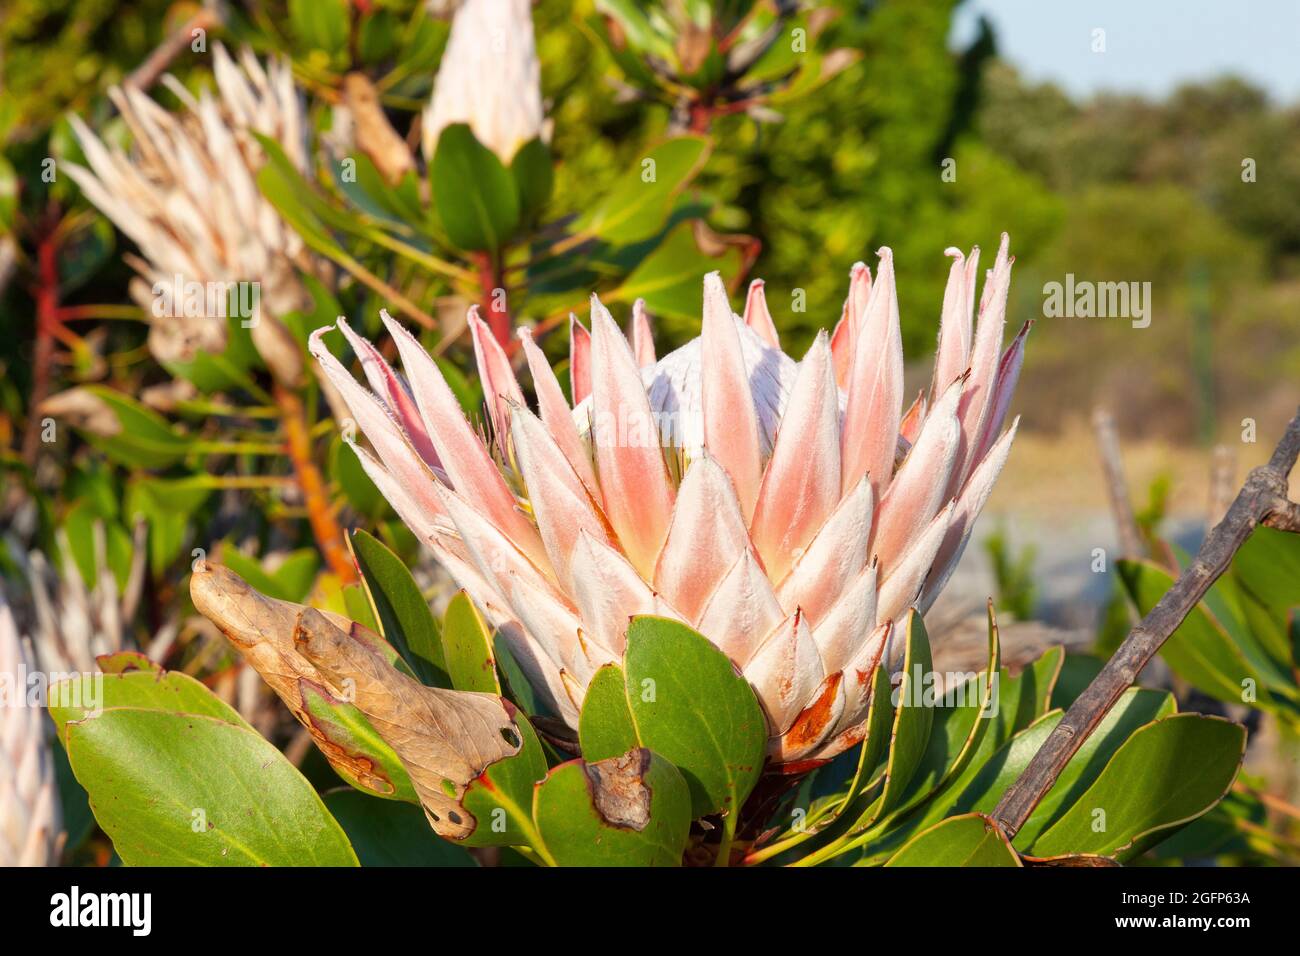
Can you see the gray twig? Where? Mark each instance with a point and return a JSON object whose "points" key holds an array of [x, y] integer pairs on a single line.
{"points": [[1261, 500], [1130, 539]]}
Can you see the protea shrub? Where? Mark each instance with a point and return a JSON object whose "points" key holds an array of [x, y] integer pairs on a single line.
{"points": [[788, 514], [689, 631]]}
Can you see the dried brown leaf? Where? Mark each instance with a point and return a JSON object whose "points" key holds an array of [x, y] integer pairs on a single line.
{"points": [[444, 738]]}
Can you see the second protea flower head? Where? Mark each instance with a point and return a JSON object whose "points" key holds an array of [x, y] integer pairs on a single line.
{"points": [[791, 512], [187, 195]]}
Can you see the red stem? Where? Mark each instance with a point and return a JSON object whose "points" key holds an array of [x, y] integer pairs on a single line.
{"points": [[329, 536], [490, 279], [46, 294]]}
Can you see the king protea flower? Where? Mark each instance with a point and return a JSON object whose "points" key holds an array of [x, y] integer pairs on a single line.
{"points": [[188, 197], [489, 78], [30, 818], [791, 512]]}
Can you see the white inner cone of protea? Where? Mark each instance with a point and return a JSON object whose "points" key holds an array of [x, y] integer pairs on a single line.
{"points": [[791, 512]]}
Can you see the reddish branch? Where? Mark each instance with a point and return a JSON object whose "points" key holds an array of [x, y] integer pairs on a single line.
{"points": [[493, 304], [328, 534], [1262, 500], [46, 293]]}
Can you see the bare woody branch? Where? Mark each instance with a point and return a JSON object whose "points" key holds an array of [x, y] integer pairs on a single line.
{"points": [[1262, 500], [1130, 539], [147, 73]]}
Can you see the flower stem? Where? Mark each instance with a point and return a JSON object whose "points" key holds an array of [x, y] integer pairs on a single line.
{"points": [[728, 835], [328, 534], [491, 281], [46, 294]]}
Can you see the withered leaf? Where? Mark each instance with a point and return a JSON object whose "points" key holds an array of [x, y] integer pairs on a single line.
{"points": [[443, 738]]}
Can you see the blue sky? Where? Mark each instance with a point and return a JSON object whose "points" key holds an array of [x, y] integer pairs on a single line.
{"points": [[1151, 45]]}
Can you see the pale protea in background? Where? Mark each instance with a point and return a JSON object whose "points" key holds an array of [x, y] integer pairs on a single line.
{"points": [[791, 512], [30, 819], [489, 78], [187, 196]]}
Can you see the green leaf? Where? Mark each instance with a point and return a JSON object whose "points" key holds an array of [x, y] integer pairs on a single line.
{"points": [[166, 691], [185, 789], [1077, 672], [320, 24], [476, 197], [78, 821], [8, 196], [637, 27], [215, 371], [669, 277], [290, 581], [638, 204], [467, 647], [501, 798], [970, 840], [605, 727], [991, 778], [534, 176], [690, 706], [1136, 708], [79, 526], [961, 718], [631, 810], [1200, 650], [1012, 735], [517, 686], [1267, 569], [1268, 566], [404, 615], [144, 439], [913, 717], [357, 602], [378, 36], [167, 505], [424, 38], [1165, 775], [385, 833], [1028, 696]]}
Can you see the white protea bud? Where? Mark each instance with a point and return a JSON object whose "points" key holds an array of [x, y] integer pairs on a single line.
{"points": [[30, 819], [490, 78], [187, 196]]}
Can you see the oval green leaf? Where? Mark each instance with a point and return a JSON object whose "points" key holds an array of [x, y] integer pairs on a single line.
{"points": [[605, 727], [631, 810], [1165, 775], [191, 790], [476, 197], [970, 840], [691, 706]]}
